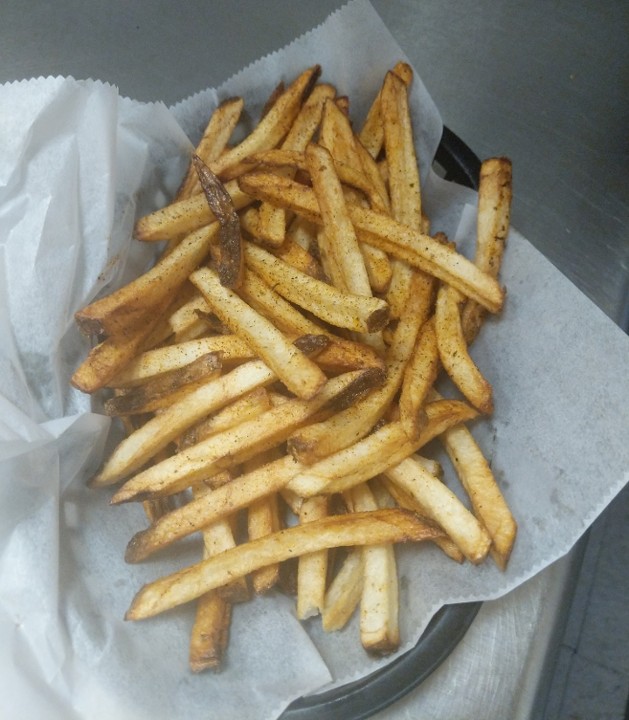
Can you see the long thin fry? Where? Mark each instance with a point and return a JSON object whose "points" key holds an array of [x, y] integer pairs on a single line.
{"points": [[336, 531]]}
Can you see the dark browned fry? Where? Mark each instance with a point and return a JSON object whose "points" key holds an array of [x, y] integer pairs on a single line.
{"points": [[231, 262]]}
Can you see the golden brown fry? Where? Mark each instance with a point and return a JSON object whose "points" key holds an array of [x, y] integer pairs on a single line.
{"points": [[312, 568], [244, 408], [381, 450], [442, 505], [372, 132], [453, 351], [405, 500], [419, 250], [110, 356], [343, 594], [380, 526], [272, 220], [130, 306], [338, 229], [147, 440], [272, 127], [354, 312], [209, 636], [236, 444], [165, 389], [184, 217], [492, 227], [263, 518], [419, 377], [346, 427], [379, 603], [403, 176], [214, 140], [202, 511], [293, 368], [485, 495], [160, 361]]}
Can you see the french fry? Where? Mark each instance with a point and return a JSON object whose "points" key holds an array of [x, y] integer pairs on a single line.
{"points": [[230, 259], [128, 307], [272, 127], [419, 377], [346, 427], [281, 357], [184, 217], [492, 227], [381, 450], [337, 226], [293, 368], [442, 505], [419, 250], [485, 495], [263, 518], [372, 133], [453, 351], [312, 568], [210, 632], [343, 594], [213, 142], [403, 176], [354, 312], [163, 360], [380, 526], [165, 389], [272, 220], [236, 444], [155, 434], [244, 408], [379, 622]]}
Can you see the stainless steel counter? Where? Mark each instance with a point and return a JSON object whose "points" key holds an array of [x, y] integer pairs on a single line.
{"points": [[544, 83]]}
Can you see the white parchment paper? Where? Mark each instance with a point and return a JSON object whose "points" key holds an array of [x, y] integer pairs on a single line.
{"points": [[78, 164]]}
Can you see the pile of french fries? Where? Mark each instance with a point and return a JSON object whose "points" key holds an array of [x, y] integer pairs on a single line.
{"points": [[275, 371]]}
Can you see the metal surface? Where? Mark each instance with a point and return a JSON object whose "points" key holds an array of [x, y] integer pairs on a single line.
{"points": [[544, 83]]}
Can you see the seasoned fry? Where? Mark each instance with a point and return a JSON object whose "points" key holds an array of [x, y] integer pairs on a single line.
{"points": [[184, 216], [344, 592], [312, 568], [419, 377], [345, 310], [165, 389], [380, 526], [214, 140], [275, 371], [147, 440], [381, 450], [419, 250], [485, 495], [492, 227], [379, 624], [440, 504], [230, 262], [236, 444], [294, 369], [453, 351], [338, 229]]}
